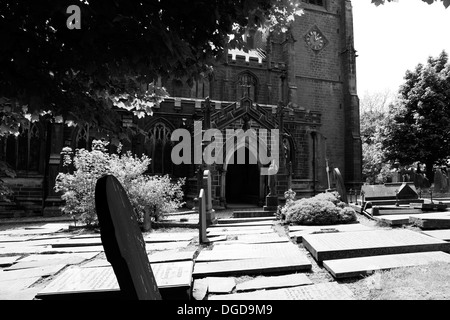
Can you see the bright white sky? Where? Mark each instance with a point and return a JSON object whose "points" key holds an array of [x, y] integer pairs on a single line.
{"points": [[393, 38]]}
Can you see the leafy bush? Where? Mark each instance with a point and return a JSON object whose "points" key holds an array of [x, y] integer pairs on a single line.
{"points": [[152, 195], [323, 209]]}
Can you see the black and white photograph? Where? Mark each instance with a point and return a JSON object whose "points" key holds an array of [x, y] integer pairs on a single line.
{"points": [[224, 155]]}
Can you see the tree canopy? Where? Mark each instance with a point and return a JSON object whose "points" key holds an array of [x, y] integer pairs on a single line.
{"points": [[119, 49], [117, 52], [418, 129]]}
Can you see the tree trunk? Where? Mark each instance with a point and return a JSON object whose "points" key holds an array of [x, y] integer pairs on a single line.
{"points": [[429, 171]]}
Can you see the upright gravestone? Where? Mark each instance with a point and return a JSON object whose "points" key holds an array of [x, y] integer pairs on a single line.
{"points": [[123, 241], [210, 213], [202, 217], [340, 185]]}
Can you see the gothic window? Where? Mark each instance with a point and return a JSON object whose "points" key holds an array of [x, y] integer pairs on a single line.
{"points": [[200, 89], [160, 148], [82, 139], [246, 87]]}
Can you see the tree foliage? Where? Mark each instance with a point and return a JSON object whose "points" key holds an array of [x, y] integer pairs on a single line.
{"points": [[120, 48], [418, 129], [374, 119]]}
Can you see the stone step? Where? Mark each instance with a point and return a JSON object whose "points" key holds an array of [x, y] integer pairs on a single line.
{"points": [[253, 214]]}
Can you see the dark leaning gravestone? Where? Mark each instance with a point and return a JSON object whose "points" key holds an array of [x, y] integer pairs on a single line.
{"points": [[123, 241]]}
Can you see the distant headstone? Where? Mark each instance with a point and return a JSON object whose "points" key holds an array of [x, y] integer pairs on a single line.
{"points": [[390, 192], [123, 241], [210, 213], [340, 185], [202, 217]]}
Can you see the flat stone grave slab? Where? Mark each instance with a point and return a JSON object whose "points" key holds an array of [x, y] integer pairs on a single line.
{"points": [[169, 237], [86, 236], [252, 214], [393, 220], [256, 239], [96, 249], [244, 224], [76, 242], [70, 259], [251, 266], [221, 228], [431, 221], [45, 257], [286, 259], [9, 238], [443, 234], [21, 248], [245, 220], [239, 230], [26, 294], [385, 211], [354, 267], [77, 280], [220, 284], [171, 255], [159, 246], [321, 291], [6, 261], [156, 257], [369, 243], [247, 251], [31, 273], [50, 236], [290, 280], [300, 231], [45, 229], [9, 286]]}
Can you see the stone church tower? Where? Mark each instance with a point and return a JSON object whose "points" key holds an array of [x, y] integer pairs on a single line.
{"points": [[302, 83]]}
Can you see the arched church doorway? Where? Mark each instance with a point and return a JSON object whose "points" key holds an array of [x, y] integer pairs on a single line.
{"points": [[242, 181]]}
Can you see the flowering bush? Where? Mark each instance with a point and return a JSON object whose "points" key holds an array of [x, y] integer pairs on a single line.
{"points": [[153, 195], [323, 209]]}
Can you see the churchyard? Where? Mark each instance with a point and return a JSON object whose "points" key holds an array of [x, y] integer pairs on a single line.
{"points": [[225, 255]]}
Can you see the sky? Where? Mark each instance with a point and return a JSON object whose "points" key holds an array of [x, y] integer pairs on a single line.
{"points": [[393, 38]]}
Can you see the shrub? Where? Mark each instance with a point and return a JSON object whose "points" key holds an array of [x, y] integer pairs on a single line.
{"points": [[153, 195], [323, 209]]}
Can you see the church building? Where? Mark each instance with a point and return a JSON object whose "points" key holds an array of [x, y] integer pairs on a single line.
{"points": [[302, 82]]}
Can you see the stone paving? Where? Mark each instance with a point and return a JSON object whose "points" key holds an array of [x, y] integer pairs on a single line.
{"points": [[258, 259]]}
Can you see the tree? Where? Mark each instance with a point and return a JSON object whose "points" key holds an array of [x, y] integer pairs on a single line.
{"points": [[418, 128], [120, 48], [374, 118]]}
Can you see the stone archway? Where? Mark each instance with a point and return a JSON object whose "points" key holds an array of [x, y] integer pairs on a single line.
{"points": [[242, 181]]}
